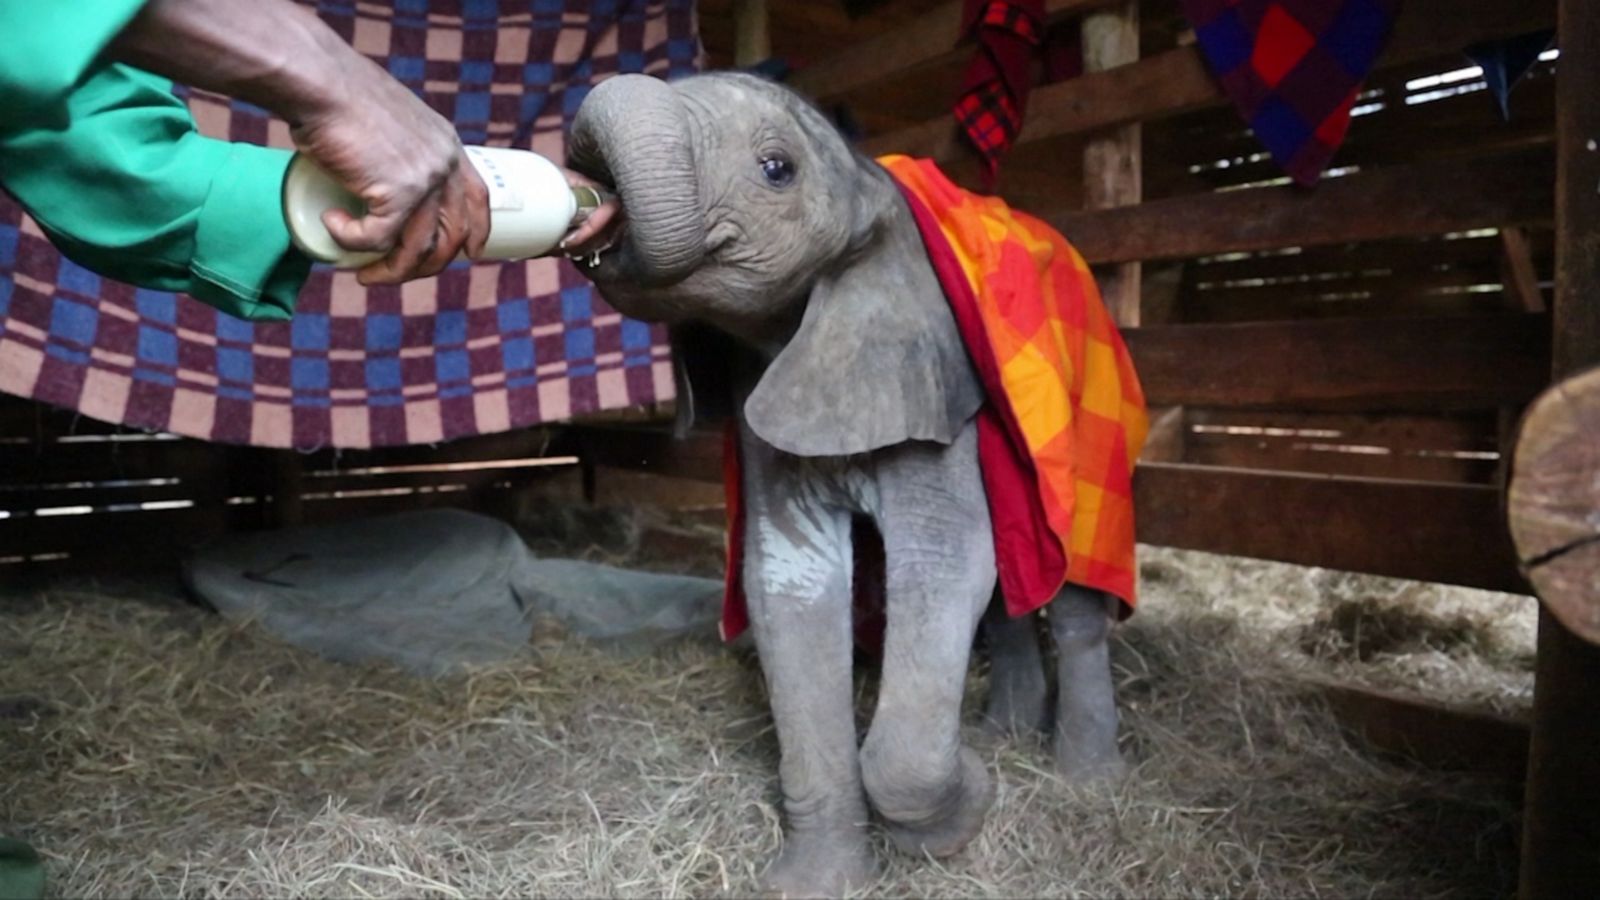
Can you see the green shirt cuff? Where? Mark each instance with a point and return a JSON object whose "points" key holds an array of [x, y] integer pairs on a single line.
{"points": [[239, 266]]}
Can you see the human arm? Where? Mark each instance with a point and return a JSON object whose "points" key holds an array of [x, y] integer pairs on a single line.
{"points": [[425, 202]]}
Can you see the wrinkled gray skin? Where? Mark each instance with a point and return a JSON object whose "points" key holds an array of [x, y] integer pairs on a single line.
{"points": [[859, 399]]}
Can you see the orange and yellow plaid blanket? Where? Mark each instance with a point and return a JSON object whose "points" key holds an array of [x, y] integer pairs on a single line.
{"points": [[1065, 417]]}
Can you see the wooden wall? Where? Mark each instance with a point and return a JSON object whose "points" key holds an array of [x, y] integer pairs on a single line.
{"points": [[1334, 373]]}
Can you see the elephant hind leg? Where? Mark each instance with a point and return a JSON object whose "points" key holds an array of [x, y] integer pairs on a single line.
{"points": [[1019, 696], [1086, 706]]}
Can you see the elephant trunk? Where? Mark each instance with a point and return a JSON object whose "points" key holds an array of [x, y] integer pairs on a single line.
{"points": [[633, 131]]}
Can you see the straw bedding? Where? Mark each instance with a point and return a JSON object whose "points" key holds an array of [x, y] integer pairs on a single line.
{"points": [[152, 749]]}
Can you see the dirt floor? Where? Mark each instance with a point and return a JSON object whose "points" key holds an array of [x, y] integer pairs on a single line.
{"points": [[152, 749]]}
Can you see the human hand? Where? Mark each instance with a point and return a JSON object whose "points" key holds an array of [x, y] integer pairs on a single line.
{"points": [[425, 201], [597, 231]]}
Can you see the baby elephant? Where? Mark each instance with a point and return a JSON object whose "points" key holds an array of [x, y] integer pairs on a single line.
{"points": [[859, 395]]}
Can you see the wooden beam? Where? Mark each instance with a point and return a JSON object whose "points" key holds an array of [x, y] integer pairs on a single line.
{"points": [[1168, 84], [1561, 820], [1438, 737], [1457, 448], [1179, 81], [1399, 201], [699, 456], [930, 40], [752, 40], [1447, 533], [1111, 161], [1522, 279], [1424, 363]]}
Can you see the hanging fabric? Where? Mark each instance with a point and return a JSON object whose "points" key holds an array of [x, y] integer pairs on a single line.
{"points": [[1293, 68]]}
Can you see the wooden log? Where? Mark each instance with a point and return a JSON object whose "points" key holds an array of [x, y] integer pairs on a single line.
{"points": [[1553, 498], [1438, 737], [1111, 161], [1425, 363], [1561, 821], [1402, 201], [1426, 531]]}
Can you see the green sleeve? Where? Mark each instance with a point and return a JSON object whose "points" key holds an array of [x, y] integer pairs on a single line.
{"points": [[128, 187], [50, 46]]}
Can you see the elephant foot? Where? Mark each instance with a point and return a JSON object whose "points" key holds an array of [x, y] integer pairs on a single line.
{"points": [[1083, 760], [1086, 731], [951, 833], [1018, 701], [814, 864]]}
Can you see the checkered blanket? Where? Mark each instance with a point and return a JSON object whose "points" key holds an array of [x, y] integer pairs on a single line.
{"points": [[1293, 68], [477, 350]]}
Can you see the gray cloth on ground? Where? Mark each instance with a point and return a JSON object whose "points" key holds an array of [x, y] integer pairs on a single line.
{"points": [[435, 590]]}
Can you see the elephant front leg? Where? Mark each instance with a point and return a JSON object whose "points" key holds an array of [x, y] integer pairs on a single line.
{"points": [[797, 575], [1019, 696], [939, 553], [1086, 707]]}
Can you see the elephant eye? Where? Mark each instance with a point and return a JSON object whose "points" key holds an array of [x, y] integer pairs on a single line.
{"points": [[779, 171]]}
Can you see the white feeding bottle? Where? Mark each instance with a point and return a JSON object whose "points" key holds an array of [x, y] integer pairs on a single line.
{"points": [[531, 206]]}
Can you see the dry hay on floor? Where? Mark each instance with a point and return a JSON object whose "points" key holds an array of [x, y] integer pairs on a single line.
{"points": [[153, 750]]}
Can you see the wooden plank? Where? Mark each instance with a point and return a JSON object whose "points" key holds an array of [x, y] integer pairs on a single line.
{"points": [[1426, 531], [931, 39], [23, 499], [1205, 307], [115, 534], [1424, 363], [1457, 449], [516, 444], [1451, 127], [1438, 737], [1561, 820], [1179, 81], [1166, 84], [51, 463], [1402, 201], [1331, 286], [1402, 256], [1111, 161], [699, 456]]}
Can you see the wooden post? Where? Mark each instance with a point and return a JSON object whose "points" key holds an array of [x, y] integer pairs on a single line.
{"points": [[287, 476], [1561, 823], [752, 38], [1111, 161]]}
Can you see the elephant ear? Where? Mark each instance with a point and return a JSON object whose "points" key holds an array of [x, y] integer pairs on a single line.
{"points": [[877, 361]]}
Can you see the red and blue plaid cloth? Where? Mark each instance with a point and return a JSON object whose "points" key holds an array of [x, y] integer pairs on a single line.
{"points": [[1011, 35], [1293, 68], [479, 349]]}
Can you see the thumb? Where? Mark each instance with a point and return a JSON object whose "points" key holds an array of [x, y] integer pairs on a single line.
{"points": [[371, 232]]}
